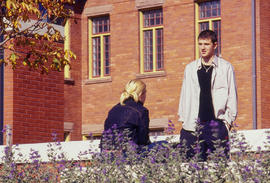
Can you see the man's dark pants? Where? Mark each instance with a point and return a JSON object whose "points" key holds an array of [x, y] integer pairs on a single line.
{"points": [[207, 137]]}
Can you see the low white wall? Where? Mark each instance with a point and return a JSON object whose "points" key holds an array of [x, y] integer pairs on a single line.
{"points": [[76, 150]]}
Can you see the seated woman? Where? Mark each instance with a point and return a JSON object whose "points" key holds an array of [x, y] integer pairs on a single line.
{"points": [[128, 116]]}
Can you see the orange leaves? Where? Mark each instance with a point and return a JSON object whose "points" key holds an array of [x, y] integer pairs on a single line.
{"points": [[10, 4], [30, 35]]}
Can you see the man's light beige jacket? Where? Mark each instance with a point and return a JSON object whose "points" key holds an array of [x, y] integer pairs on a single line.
{"points": [[223, 89]]}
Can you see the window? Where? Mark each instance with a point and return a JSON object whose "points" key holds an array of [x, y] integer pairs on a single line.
{"points": [[151, 41], [208, 17], [99, 41]]}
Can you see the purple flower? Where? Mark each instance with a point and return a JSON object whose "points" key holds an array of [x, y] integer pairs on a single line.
{"points": [[143, 179], [34, 154], [35, 161], [247, 169], [104, 171], [46, 179], [54, 136], [194, 165], [197, 149], [61, 167], [7, 150], [256, 180], [4, 130], [171, 127], [153, 161]]}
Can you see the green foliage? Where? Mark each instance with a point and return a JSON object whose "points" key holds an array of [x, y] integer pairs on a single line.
{"points": [[31, 39]]}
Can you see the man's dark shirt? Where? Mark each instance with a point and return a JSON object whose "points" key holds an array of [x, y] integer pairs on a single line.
{"points": [[206, 110]]}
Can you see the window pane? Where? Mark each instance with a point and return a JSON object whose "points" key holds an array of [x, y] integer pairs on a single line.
{"points": [[217, 30], [153, 18], [159, 33], [146, 20], [94, 27], [96, 57], [204, 26], [148, 50], [209, 9], [101, 24], [100, 27], [107, 55]]}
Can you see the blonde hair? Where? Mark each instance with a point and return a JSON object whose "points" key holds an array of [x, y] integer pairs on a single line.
{"points": [[134, 89]]}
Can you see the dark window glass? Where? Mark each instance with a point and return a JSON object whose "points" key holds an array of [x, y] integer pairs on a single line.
{"points": [[204, 26], [101, 25], [107, 54], [209, 9], [159, 34], [217, 30], [148, 50], [152, 18], [96, 57]]}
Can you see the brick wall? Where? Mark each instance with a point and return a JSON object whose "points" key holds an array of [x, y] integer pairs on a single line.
{"points": [[179, 39], [8, 95], [73, 92], [237, 48], [264, 55], [33, 104]]}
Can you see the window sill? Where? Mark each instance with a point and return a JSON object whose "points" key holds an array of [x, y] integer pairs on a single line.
{"points": [[98, 80], [151, 75], [69, 81]]}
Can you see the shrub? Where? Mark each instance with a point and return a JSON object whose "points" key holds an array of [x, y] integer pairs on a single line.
{"points": [[163, 163]]}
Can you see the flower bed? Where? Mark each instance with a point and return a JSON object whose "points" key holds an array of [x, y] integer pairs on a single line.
{"points": [[247, 164]]}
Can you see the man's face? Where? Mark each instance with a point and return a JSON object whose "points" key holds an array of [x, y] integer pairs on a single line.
{"points": [[207, 48]]}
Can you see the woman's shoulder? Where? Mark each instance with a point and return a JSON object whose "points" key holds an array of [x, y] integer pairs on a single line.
{"points": [[137, 106], [115, 108]]}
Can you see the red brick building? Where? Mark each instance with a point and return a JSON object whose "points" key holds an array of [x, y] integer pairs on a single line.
{"points": [[32, 104], [118, 40]]}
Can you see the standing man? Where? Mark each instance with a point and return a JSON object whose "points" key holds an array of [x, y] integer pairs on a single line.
{"points": [[208, 100]]}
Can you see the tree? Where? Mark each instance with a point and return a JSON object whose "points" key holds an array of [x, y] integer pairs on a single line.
{"points": [[30, 34]]}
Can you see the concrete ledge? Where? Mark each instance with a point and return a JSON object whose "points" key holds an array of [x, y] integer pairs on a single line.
{"points": [[157, 123], [76, 150], [98, 10], [140, 4], [151, 75]]}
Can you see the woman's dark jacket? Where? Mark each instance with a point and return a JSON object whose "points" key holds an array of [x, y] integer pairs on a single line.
{"points": [[132, 116]]}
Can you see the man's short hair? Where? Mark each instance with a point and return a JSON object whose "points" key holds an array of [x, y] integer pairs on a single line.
{"points": [[208, 34]]}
